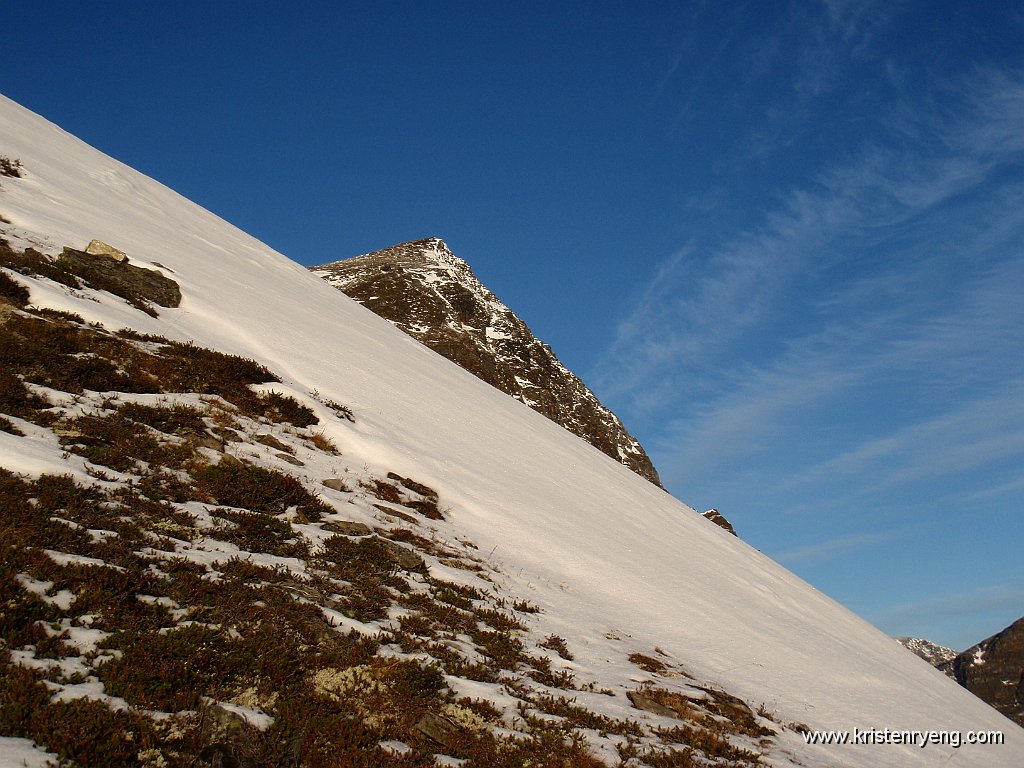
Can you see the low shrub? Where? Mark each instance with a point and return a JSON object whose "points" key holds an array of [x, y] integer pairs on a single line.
{"points": [[558, 645], [176, 419], [259, 532], [188, 368], [284, 408], [257, 489], [170, 671], [10, 167], [13, 291], [119, 443]]}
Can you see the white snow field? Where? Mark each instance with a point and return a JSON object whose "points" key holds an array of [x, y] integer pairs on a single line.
{"points": [[616, 565]]}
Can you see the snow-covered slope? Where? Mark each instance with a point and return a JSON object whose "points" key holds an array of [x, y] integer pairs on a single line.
{"points": [[616, 565]]}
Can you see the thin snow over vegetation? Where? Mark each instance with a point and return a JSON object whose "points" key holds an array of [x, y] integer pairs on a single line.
{"points": [[622, 588]]}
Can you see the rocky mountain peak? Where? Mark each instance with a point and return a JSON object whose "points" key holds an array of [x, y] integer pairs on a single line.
{"points": [[433, 295], [933, 653], [429, 250]]}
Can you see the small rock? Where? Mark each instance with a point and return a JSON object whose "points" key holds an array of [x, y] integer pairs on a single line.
{"points": [[647, 704], [290, 459], [99, 248], [207, 441], [394, 513], [226, 720], [438, 729], [347, 528], [229, 461], [335, 484], [405, 558], [272, 442], [718, 519], [227, 434], [294, 516], [312, 594]]}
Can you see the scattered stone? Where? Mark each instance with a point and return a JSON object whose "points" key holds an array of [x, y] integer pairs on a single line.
{"points": [[438, 728], [208, 441], [347, 528], [394, 513], [290, 459], [227, 434], [405, 558], [335, 484], [272, 442], [718, 519], [642, 701], [99, 248], [229, 461]]}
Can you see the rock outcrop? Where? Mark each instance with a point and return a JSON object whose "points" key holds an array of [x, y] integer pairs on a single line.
{"points": [[432, 295], [993, 670], [933, 653], [718, 519]]}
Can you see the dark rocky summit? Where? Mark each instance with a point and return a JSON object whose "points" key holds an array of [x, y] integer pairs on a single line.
{"points": [[433, 296]]}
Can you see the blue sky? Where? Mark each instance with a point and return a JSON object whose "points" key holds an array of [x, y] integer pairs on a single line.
{"points": [[784, 241]]}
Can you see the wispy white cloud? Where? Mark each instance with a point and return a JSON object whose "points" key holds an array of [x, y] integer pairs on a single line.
{"points": [[865, 340], [956, 605], [701, 300], [834, 547], [983, 431], [995, 491], [837, 32]]}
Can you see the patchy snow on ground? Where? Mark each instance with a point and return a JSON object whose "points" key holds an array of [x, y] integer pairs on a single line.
{"points": [[22, 753], [615, 565]]}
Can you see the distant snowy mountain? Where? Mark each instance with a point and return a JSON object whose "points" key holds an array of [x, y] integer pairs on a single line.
{"points": [[246, 521], [933, 653], [433, 295]]}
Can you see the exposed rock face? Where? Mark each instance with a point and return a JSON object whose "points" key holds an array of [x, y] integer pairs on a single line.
{"points": [[105, 270], [434, 297], [993, 670], [933, 653], [99, 248], [718, 518]]}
